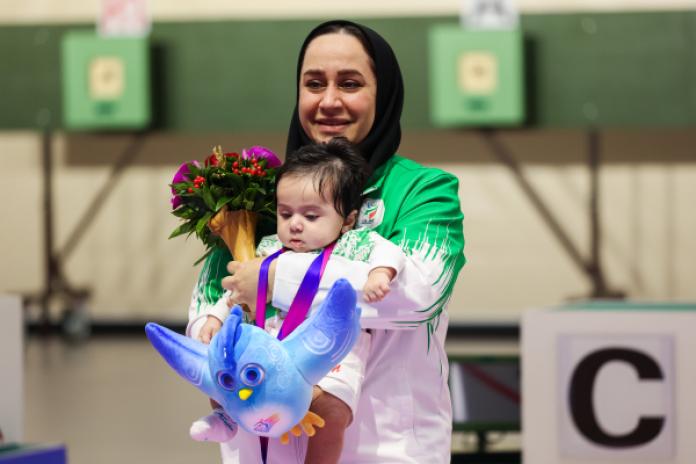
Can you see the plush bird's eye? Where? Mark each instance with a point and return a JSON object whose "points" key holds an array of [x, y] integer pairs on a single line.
{"points": [[251, 375], [226, 380]]}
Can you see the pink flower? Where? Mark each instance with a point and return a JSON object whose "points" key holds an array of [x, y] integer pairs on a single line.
{"points": [[259, 152], [181, 175]]}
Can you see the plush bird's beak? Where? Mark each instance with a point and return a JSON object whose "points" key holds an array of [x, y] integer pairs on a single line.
{"points": [[245, 393]]}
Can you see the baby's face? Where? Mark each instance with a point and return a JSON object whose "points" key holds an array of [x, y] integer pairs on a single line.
{"points": [[306, 221]]}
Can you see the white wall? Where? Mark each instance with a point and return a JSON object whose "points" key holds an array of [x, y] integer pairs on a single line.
{"points": [[514, 262], [12, 383], [33, 11]]}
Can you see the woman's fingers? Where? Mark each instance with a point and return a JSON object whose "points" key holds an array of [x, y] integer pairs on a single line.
{"points": [[243, 281], [232, 266], [228, 283]]}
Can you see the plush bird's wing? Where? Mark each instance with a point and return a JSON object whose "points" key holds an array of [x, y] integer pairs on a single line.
{"points": [[188, 357], [323, 340]]}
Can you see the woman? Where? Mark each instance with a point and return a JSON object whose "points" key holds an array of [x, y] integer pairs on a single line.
{"points": [[350, 85]]}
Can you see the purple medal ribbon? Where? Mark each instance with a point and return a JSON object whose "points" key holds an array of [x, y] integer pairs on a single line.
{"points": [[298, 308], [262, 290], [305, 294]]}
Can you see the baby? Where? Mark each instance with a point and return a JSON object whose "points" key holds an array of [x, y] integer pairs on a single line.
{"points": [[319, 193]]}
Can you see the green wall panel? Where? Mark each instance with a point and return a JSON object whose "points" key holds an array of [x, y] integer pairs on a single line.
{"points": [[613, 69], [30, 76], [476, 77], [609, 69]]}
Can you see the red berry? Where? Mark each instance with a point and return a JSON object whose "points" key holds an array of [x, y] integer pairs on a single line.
{"points": [[235, 164], [190, 190]]}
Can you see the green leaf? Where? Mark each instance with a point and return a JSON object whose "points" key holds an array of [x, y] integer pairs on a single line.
{"points": [[184, 212], [249, 194], [234, 182], [202, 258], [208, 198], [187, 227], [258, 204], [249, 205], [222, 202], [217, 191], [202, 224], [193, 171]]}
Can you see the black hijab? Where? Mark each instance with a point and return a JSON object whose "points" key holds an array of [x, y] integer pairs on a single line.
{"points": [[385, 135]]}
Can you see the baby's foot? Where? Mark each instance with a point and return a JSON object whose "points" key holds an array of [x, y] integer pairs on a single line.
{"points": [[216, 426]]}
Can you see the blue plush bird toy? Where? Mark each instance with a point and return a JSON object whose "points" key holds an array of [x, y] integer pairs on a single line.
{"points": [[262, 383]]}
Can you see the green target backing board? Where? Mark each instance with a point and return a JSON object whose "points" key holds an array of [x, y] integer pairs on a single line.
{"points": [[476, 77], [106, 82]]}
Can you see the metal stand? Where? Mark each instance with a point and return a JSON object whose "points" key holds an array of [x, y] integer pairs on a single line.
{"points": [[57, 290], [592, 266]]}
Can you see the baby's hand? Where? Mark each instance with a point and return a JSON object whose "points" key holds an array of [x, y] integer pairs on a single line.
{"points": [[377, 285], [211, 327]]}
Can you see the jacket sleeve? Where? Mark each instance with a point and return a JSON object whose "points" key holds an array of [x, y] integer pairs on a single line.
{"points": [[207, 296], [428, 229]]}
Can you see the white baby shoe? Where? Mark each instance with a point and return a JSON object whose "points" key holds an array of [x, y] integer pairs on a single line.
{"points": [[216, 426]]}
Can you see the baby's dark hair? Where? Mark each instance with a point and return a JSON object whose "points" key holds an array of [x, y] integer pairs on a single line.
{"points": [[336, 165]]}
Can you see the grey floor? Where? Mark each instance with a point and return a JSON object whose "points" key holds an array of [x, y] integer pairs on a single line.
{"points": [[113, 400]]}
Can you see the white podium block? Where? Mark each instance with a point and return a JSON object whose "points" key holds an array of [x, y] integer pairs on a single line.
{"points": [[606, 386], [11, 369]]}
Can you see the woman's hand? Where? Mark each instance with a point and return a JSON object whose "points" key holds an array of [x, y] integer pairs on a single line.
{"points": [[244, 279]]}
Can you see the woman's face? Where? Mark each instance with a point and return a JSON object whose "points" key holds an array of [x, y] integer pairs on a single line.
{"points": [[338, 89]]}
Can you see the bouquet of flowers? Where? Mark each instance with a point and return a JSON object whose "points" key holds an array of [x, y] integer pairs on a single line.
{"points": [[222, 200]]}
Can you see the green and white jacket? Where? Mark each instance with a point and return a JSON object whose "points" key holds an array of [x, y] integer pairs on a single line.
{"points": [[404, 411]]}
